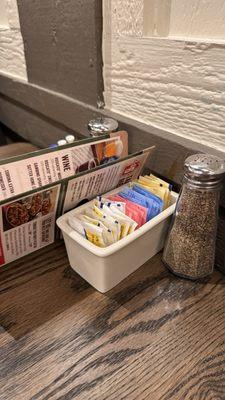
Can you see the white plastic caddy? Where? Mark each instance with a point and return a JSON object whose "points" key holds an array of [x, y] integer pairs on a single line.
{"points": [[105, 267]]}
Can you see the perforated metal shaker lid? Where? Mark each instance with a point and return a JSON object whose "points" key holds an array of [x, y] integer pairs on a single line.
{"points": [[204, 168], [101, 126]]}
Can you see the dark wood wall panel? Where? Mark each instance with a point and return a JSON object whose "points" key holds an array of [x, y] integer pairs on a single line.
{"points": [[62, 40], [46, 104], [32, 126]]}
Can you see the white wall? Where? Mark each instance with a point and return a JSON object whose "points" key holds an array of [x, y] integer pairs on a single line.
{"points": [[198, 18], [12, 59], [175, 82], [3, 14]]}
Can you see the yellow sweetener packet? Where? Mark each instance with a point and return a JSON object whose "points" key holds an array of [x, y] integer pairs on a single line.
{"points": [[109, 222], [92, 233], [106, 232], [154, 178], [158, 188]]}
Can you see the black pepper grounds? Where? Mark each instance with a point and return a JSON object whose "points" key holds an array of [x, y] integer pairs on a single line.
{"points": [[190, 248]]}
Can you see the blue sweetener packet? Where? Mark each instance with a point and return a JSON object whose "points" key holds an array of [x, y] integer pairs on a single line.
{"points": [[147, 193], [151, 205]]}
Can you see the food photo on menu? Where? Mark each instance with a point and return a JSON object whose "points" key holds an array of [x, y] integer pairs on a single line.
{"points": [[88, 157], [27, 209], [28, 224]]}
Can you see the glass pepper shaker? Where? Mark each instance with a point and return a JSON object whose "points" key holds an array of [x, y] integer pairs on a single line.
{"points": [[190, 246], [101, 126]]}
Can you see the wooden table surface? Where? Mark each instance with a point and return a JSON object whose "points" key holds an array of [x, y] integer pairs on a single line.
{"points": [[152, 337]]}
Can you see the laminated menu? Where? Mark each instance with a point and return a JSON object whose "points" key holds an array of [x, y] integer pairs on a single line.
{"points": [[38, 187]]}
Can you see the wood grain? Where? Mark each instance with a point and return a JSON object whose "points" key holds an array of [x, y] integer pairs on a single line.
{"points": [[152, 337]]}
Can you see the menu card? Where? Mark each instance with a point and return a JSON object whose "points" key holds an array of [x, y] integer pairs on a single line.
{"points": [[38, 187]]}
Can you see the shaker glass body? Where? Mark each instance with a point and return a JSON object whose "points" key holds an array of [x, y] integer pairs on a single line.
{"points": [[190, 247]]}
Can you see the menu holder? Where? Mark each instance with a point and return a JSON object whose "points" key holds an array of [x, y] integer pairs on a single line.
{"points": [[36, 188]]}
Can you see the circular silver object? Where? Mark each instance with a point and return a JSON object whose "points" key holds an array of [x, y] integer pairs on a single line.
{"points": [[101, 126], [204, 168]]}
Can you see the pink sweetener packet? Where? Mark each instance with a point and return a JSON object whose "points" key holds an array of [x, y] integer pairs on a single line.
{"points": [[135, 211]]}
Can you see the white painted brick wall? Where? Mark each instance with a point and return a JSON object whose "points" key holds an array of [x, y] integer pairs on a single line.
{"points": [[12, 59], [175, 84]]}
